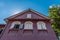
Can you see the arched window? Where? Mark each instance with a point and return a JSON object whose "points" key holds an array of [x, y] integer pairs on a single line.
{"points": [[28, 25], [15, 24], [41, 25]]}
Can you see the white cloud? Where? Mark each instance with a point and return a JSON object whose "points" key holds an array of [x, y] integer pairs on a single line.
{"points": [[15, 11], [50, 6]]}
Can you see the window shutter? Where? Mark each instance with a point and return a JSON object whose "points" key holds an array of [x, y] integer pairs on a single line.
{"points": [[21, 26], [12, 26], [59, 37], [43, 26]]}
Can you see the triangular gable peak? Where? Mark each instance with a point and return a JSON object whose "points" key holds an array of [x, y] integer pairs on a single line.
{"points": [[22, 15]]}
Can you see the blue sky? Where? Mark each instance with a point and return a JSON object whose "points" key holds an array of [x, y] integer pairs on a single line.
{"points": [[11, 7]]}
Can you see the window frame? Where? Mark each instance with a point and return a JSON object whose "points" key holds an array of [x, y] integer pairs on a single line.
{"points": [[41, 25], [28, 15], [14, 23], [26, 25]]}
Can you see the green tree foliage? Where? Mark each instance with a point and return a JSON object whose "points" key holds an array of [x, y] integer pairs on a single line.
{"points": [[54, 13]]}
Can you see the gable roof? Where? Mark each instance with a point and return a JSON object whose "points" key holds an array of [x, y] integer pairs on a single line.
{"points": [[26, 11]]}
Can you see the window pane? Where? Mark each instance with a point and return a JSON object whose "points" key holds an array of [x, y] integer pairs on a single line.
{"points": [[39, 26], [16, 26]]}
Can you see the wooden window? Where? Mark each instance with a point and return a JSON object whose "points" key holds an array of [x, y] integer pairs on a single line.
{"points": [[28, 15], [28, 25], [15, 24], [41, 25]]}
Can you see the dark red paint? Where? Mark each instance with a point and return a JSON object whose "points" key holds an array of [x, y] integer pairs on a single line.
{"points": [[35, 34]]}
